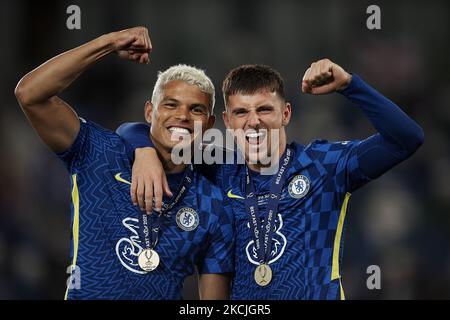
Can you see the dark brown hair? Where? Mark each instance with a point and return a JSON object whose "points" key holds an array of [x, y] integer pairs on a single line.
{"points": [[252, 78]]}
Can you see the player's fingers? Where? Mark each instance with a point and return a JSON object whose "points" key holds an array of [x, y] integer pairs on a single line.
{"points": [[144, 58], [139, 41], [325, 71], [149, 40], [144, 37], [148, 44], [133, 191], [307, 76], [134, 57], [305, 87], [315, 75], [158, 194], [123, 54], [320, 78], [141, 194], [323, 89], [148, 198], [166, 186], [312, 71]]}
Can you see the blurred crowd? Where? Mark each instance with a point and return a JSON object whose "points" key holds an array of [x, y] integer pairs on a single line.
{"points": [[399, 222]]}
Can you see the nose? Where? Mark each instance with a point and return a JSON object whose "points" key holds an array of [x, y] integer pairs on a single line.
{"points": [[253, 120], [182, 113]]}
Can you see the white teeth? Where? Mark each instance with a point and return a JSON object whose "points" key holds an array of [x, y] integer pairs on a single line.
{"points": [[178, 130], [254, 135]]}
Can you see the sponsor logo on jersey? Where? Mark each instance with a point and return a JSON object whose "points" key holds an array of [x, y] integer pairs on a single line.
{"points": [[278, 245], [128, 249]]}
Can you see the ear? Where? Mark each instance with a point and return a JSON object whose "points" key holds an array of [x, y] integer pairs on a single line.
{"points": [[226, 119], [148, 110], [287, 112]]}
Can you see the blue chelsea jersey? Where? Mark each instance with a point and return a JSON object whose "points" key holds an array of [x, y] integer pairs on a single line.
{"points": [[308, 227], [105, 241], [310, 223]]}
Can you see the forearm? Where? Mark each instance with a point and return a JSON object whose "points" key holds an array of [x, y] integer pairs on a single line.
{"points": [[214, 286], [398, 135], [58, 73], [394, 125]]}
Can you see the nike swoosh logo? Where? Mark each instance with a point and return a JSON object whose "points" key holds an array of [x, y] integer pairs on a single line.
{"points": [[230, 195], [119, 178]]}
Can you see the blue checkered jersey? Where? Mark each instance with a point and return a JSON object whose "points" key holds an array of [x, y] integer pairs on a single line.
{"points": [[105, 239], [309, 225]]}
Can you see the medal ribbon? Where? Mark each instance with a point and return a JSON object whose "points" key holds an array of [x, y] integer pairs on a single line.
{"points": [[263, 233], [149, 230]]}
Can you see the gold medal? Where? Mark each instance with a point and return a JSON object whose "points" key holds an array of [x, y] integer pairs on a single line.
{"points": [[148, 260], [263, 275]]}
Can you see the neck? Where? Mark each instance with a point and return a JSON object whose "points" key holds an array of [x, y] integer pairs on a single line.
{"points": [[165, 157]]}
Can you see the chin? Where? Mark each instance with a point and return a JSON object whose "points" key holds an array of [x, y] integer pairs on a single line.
{"points": [[257, 156]]}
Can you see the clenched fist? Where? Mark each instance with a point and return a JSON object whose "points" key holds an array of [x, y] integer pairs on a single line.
{"points": [[132, 44], [324, 77]]}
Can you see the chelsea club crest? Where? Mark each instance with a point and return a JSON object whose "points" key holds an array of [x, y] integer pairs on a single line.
{"points": [[187, 219], [299, 186]]}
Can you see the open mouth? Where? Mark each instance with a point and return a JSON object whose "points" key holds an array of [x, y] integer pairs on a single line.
{"points": [[255, 137], [179, 133]]}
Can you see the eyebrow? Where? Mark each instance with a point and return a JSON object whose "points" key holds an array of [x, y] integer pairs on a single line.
{"points": [[238, 109], [264, 106], [199, 105], [168, 99]]}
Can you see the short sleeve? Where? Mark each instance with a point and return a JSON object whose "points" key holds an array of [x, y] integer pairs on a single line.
{"points": [[89, 146], [73, 157]]}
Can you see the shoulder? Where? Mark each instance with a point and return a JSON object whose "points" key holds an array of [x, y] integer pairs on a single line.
{"points": [[324, 155], [91, 143], [94, 130]]}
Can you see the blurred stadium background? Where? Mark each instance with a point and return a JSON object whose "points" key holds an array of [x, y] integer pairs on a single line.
{"points": [[400, 222]]}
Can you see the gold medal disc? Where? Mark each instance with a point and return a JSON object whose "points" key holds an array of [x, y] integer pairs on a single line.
{"points": [[148, 260], [263, 275]]}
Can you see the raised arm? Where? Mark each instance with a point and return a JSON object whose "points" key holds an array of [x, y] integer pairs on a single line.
{"points": [[398, 135], [54, 120]]}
